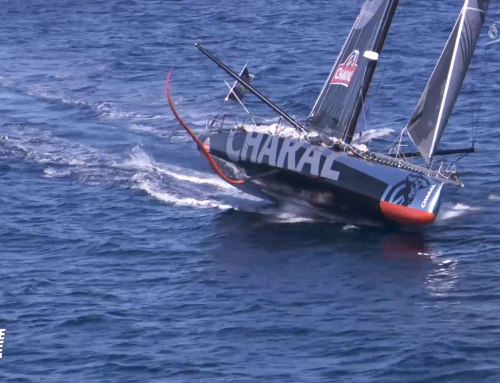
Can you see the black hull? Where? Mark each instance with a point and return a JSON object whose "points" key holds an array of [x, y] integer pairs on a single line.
{"points": [[277, 168], [290, 186]]}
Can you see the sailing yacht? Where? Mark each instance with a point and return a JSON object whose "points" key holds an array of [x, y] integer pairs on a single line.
{"points": [[316, 162]]}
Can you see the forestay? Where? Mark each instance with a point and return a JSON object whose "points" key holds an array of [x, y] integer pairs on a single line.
{"points": [[434, 108], [237, 91]]}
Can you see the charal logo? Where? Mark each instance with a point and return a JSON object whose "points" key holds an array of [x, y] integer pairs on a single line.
{"points": [[429, 193], [345, 72], [2, 335], [493, 33], [405, 191]]}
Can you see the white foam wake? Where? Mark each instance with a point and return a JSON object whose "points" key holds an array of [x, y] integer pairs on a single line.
{"points": [[194, 179], [104, 109], [53, 173], [373, 134], [151, 189], [350, 227], [449, 211], [291, 218], [139, 159], [289, 132]]}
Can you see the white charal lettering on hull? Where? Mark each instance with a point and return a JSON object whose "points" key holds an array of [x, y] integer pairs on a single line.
{"points": [[312, 156], [288, 149], [252, 141], [327, 171], [286, 157], [233, 155], [269, 150]]}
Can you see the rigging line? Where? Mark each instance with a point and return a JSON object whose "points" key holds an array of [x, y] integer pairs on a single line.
{"points": [[459, 159], [399, 143], [450, 73], [487, 59], [433, 71], [364, 115], [249, 87], [394, 145], [327, 85], [475, 119], [481, 97], [402, 9], [349, 40], [386, 63], [196, 139], [378, 42], [237, 98]]}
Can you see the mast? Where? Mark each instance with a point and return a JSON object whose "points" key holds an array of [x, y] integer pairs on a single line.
{"points": [[436, 104], [391, 11], [251, 88], [340, 102]]}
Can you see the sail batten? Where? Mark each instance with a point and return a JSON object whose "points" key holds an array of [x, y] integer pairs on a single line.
{"points": [[436, 104]]}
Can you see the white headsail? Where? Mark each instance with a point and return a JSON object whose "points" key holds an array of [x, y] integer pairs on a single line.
{"points": [[434, 108]]}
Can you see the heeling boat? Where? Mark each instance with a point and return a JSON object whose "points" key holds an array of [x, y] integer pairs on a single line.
{"points": [[317, 162]]}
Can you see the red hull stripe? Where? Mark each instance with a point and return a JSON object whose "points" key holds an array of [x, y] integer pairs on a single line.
{"points": [[406, 215]]}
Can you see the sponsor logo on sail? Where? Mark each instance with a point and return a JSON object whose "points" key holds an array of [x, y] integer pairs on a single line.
{"points": [[429, 193], [345, 72]]}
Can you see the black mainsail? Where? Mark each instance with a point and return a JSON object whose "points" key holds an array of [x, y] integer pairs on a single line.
{"points": [[434, 108], [340, 102]]}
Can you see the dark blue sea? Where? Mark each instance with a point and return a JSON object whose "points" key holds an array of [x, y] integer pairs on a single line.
{"points": [[123, 258]]}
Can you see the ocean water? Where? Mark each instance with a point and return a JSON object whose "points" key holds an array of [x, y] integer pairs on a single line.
{"points": [[123, 258]]}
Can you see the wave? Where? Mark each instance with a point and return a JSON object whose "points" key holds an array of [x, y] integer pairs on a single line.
{"points": [[152, 189], [374, 134], [104, 109], [291, 218], [139, 159], [450, 211], [196, 180], [45, 149], [350, 227], [494, 197], [53, 173], [148, 178], [61, 158]]}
